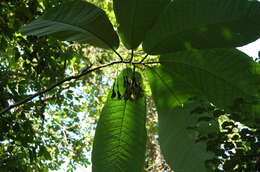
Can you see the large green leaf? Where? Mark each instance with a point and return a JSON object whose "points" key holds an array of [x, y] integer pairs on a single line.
{"points": [[178, 141], [204, 24], [135, 17], [221, 76], [120, 138], [76, 21]]}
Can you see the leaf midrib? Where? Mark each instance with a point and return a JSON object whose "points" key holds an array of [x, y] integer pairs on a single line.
{"points": [[122, 121]]}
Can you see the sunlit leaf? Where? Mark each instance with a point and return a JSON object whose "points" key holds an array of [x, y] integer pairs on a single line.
{"points": [[76, 21], [120, 138]]}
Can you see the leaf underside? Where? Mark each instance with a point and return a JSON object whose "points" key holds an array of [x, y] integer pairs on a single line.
{"points": [[120, 138], [177, 141], [220, 76], [204, 24], [135, 18], [76, 21]]}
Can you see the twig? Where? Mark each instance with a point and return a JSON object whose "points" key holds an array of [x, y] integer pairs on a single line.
{"points": [[55, 85], [121, 58], [143, 58], [132, 55], [85, 72], [54, 95]]}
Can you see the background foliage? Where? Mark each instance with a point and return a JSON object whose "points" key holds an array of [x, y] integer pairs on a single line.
{"points": [[47, 131], [55, 127]]}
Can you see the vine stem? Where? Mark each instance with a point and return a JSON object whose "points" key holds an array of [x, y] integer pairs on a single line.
{"points": [[85, 72]]}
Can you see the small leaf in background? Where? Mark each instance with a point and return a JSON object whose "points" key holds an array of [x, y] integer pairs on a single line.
{"points": [[78, 21], [44, 152], [204, 24]]}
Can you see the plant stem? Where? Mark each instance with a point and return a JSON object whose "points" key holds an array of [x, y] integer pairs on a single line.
{"points": [[85, 72], [132, 56], [55, 85], [121, 58], [144, 58]]}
